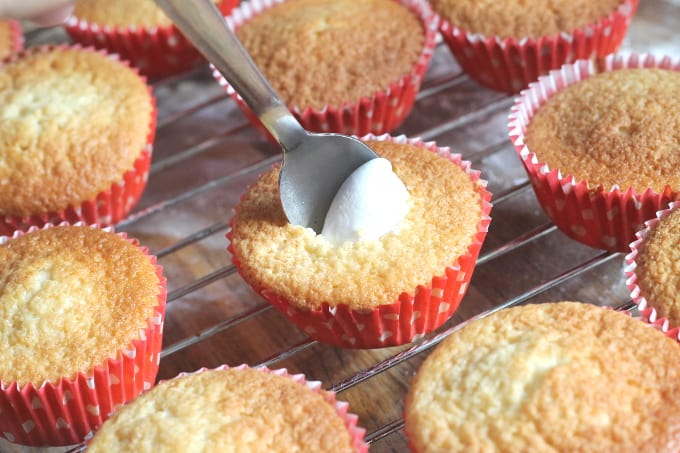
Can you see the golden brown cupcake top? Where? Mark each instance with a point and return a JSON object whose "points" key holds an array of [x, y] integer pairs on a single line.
{"points": [[72, 122], [70, 297], [6, 39], [523, 18], [226, 410], [559, 377], [615, 128], [122, 13], [658, 267], [294, 262], [325, 52]]}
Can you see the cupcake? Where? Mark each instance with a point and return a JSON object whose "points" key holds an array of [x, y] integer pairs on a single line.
{"points": [[556, 377], [75, 137], [506, 45], [340, 65], [652, 270], [600, 145], [11, 38], [139, 32], [82, 314], [377, 292], [233, 409]]}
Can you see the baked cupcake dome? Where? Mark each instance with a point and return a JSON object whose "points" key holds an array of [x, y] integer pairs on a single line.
{"points": [[82, 312], [508, 44], [121, 13], [523, 19], [652, 268], [139, 32], [371, 293], [11, 38], [608, 162], [552, 377], [340, 66], [235, 409], [75, 137], [613, 129]]}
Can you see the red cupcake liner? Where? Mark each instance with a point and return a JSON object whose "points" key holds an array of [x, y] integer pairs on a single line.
{"points": [[510, 64], [648, 312], [108, 207], [65, 412], [156, 51], [414, 314], [592, 215], [662, 325], [17, 36], [381, 112]]}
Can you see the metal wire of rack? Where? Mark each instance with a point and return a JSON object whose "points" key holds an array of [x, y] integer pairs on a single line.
{"points": [[205, 156]]}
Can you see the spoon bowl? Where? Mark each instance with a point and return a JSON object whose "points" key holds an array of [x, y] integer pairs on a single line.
{"points": [[313, 172], [314, 165]]}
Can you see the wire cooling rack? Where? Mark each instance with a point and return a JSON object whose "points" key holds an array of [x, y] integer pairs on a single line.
{"points": [[206, 154]]}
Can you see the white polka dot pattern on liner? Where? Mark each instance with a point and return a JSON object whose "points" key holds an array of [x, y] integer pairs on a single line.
{"points": [[610, 241], [68, 396], [28, 426], [62, 424], [605, 218]]}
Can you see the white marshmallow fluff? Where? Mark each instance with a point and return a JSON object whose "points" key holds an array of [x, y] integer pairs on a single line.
{"points": [[372, 202]]}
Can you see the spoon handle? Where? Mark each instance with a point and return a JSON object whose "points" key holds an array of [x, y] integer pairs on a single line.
{"points": [[205, 27]]}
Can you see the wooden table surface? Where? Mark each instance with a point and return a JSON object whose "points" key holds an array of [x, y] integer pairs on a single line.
{"points": [[206, 154]]}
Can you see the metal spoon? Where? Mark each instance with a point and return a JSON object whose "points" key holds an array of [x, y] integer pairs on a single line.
{"points": [[314, 165]]}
